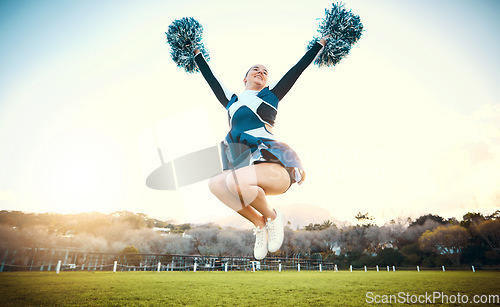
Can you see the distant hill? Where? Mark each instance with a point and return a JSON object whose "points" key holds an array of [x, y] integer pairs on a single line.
{"points": [[299, 215]]}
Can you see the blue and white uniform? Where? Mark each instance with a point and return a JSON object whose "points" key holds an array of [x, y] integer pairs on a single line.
{"points": [[249, 142]]}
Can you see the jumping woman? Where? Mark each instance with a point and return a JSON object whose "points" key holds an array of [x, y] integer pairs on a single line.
{"points": [[255, 164]]}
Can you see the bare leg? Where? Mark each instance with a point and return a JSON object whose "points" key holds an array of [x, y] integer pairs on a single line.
{"points": [[249, 186], [218, 187], [254, 182]]}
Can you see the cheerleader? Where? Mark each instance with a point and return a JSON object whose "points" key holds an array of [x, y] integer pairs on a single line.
{"points": [[255, 164]]}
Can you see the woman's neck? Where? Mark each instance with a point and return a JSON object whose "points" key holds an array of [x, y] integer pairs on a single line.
{"points": [[253, 87]]}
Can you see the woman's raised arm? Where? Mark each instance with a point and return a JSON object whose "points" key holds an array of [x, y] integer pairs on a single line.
{"points": [[284, 84], [222, 94]]}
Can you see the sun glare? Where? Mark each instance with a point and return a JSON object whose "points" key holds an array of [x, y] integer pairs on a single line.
{"points": [[80, 173]]}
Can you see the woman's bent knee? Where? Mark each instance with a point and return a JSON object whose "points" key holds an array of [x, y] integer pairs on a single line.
{"points": [[234, 185], [241, 188], [215, 184]]}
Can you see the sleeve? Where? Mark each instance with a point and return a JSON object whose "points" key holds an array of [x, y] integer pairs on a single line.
{"points": [[222, 94], [286, 82]]}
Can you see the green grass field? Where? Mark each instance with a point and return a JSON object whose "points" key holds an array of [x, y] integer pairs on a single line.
{"points": [[238, 288]]}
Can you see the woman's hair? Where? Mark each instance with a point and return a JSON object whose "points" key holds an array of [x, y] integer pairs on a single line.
{"points": [[249, 71]]}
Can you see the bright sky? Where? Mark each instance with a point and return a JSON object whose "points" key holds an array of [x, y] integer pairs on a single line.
{"points": [[407, 124]]}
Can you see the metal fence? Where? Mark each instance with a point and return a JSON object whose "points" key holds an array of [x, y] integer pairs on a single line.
{"points": [[48, 259]]}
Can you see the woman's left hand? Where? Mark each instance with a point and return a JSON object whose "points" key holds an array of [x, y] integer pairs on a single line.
{"points": [[323, 40]]}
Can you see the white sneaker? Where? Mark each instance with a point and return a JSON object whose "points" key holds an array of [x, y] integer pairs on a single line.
{"points": [[276, 232], [260, 248]]}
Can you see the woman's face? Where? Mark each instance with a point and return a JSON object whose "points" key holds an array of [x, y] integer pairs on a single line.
{"points": [[256, 77]]}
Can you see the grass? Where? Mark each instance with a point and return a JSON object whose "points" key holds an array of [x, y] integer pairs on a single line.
{"points": [[233, 288]]}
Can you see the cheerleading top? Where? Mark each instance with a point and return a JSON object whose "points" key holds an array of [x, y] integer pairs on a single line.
{"points": [[248, 141]]}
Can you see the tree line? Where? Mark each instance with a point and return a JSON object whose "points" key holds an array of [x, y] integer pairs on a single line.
{"points": [[429, 241]]}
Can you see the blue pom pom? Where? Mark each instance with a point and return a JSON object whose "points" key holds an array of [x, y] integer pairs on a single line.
{"points": [[334, 51], [184, 36], [344, 29]]}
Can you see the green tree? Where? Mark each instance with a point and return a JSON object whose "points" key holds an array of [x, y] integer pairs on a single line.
{"points": [[185, 226], [494, 216], [327, 224], [489, 231], [471, 218], [390, 256], [318, 227], [446, 240], [412, 254], [422, 219], [363, 218], [313, 227]]}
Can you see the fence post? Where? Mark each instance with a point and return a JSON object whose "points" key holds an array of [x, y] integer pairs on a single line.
{"points": [[393, 268], [194, 267], [279, 267], [4, 259], [225, 267], [298, 267], [33, 259], [253, 266], [473, 269], [114, 266], [58, 268], [320, 268], [377, 268], [443, 268], [388, 270], [350, 268], [418, 268], [336, 268], [159, 266], [365, 268]]}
